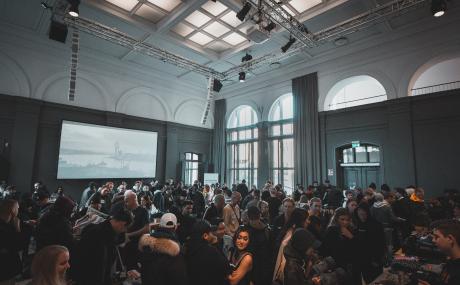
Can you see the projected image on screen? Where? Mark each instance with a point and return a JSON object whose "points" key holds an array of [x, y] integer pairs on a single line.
{"points": [[91, 151]]}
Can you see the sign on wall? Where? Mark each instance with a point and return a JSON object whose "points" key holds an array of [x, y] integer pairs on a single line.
{"points": [[211, 178]]}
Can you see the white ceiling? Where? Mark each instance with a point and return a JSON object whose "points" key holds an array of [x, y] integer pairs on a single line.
{"points": [[201, 30]]}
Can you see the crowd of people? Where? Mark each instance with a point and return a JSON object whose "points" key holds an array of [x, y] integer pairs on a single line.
{"points": [[214, 234]]}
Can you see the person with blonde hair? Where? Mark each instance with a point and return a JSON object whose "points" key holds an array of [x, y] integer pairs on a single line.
{"points": [[49, 266]]}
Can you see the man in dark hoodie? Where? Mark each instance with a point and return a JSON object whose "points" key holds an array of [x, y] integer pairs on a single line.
{"points": [[201, 255], [161, 257], [298, 254]]}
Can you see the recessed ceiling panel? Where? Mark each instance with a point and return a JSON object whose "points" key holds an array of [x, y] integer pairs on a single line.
{"points": [[215, 8], [167, 5], [127, 5], [303, 5], [231, 19], [197, 19], [288, 10], [149, 14], [182, 29], [216, 29], [219, 46], [200, 38], [234, 39]]}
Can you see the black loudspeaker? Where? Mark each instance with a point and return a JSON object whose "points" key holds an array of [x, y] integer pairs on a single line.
{"points": [[217, 85], [58, 31]]}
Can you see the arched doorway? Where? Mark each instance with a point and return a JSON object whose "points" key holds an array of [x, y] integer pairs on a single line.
{"points": [[358, 165]]}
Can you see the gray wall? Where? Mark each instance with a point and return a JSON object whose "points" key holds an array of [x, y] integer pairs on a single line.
{"points": [[419, 139], [30, 134]]}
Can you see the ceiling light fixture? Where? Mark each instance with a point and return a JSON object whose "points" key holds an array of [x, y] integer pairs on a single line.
{"points": [[73, 10], [438, 7], [288, 44], [270, 27], [243, 12], [242, 76]]}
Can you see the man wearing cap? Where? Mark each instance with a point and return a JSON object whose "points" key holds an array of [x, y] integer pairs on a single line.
{"points": [[298, 254], [161, 257], [205, 264]]}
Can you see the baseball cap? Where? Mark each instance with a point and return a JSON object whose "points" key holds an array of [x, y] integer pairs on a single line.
{"points": [[168, 221]]}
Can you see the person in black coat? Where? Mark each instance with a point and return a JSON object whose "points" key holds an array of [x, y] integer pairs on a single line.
{"points": [[243, 189], [371, 240], [298, 254], [10, 241], [95, 254], [54, 227], [161, 258], [205, 264]]}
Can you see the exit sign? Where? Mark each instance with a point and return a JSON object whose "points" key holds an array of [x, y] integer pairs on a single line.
{"points": [[355, 144]]}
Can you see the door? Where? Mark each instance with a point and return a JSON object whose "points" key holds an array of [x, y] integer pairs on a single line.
{"points": [[358, 166]]}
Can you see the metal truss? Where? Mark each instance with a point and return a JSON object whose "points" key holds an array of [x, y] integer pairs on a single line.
{"points": [[122, 39], [271, 9], [279, 15]]}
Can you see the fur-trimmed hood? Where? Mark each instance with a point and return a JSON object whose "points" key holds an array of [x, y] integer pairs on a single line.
{"points": [[159, 245]]}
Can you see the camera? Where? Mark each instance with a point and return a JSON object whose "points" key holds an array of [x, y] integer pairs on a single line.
{"points": [[328, 272], [416, 271]]}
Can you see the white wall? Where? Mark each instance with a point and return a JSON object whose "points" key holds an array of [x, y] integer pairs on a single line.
{"points": [[34, 66], [443, 72]]}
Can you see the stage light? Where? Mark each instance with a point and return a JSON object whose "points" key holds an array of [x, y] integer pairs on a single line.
{"points": [[243, 12], [242, 76], [217, 85], [288, 44], [270, 27], [247, 57], [73, 10], [438, 7]]}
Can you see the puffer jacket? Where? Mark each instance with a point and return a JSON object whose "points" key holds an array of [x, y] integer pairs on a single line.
{"points": [[162, 260]]}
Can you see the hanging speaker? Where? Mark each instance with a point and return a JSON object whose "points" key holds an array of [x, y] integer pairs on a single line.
{"points": [[58, 31]]}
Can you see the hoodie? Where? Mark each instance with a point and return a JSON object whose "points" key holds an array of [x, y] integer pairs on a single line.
{"points": [[383, 213], [161, 259]]}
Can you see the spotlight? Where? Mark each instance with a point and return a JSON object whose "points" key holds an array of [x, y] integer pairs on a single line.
{"points": [[270, 27], [45, 5], [217, 85], [73, 10], [247, 57], [288, 44], [243, 12], [242, 76], [438, 7]]}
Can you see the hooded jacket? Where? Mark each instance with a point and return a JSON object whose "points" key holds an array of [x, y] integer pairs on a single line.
{"points": [[294, 269], [383, 213], [161, 259]]}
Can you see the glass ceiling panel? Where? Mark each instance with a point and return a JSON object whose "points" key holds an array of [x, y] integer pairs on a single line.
{"points": [[197, 19], [127, 5], [219, 46], [215, 8], [167, 5], [216, 29], [302, 5], [182, 29], [231, 19], [200, 38], [149, 13], [234, 39]]}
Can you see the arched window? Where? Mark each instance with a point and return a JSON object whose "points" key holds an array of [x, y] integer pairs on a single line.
{"points": [[282, 142], [355, 91], [242, 146], [439, 77]]}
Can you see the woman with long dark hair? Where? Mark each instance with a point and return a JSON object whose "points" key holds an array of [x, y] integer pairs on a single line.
{"points": [[241, 258], [341, 244]]}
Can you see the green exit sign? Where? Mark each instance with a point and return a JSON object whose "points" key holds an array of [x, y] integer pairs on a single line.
{"points": [[355, 144]]}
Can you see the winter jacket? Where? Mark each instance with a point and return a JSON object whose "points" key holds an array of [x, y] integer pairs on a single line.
{"points": [[261, 252], [243, 189], [53, 228], [205, 265], [162, 260], [94, 255], [10, 245], [294, 269], [383, 213]]}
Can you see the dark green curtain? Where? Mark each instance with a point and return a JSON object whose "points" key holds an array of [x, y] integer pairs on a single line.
{"points": [[218, 144], [306, 129]]}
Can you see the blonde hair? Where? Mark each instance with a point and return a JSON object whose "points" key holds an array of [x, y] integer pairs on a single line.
{"points": [[44, 266]]}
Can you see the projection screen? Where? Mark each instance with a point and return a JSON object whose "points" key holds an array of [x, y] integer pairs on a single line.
{"points": [[93, 151]]}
